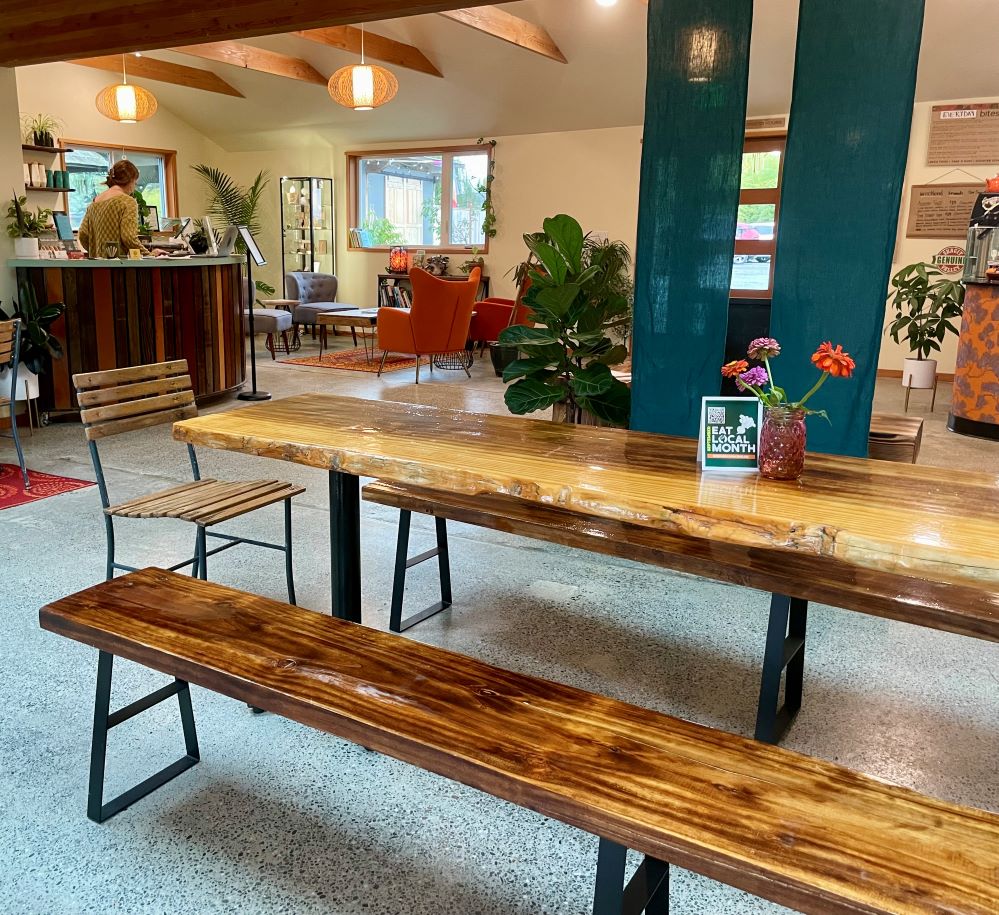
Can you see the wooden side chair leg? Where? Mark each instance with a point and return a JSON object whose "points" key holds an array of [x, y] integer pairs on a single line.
{"points": [[105, 719], [284, 340], [647, 891], [269, 345]]}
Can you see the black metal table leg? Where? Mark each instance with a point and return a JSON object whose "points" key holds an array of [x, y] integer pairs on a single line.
{"points": [[345, 546], [785, 651], [647, 891]]}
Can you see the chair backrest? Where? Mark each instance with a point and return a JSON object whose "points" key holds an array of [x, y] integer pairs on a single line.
{"points": [[10, 345], [310, 287], [122, 400], [442, 311]]}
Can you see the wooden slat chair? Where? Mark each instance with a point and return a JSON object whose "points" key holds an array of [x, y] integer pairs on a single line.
{"points": [[10, 348], [124, 400]]}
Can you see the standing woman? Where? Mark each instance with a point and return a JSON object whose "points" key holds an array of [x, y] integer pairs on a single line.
{"points": [[113, 216]]}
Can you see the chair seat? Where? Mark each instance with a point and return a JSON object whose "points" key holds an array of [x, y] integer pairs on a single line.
{"points": [[267, 320], [207, 502]]}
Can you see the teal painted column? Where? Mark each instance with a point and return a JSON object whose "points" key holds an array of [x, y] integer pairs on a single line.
{"points": [[695, 112], [848, 138]]}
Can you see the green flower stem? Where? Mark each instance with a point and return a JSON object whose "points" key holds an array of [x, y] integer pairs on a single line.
{"points": [[818, 384], [770, 375]]}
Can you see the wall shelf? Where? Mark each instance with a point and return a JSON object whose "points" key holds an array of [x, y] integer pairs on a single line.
{"points": [[51, 190], [53, 150]]}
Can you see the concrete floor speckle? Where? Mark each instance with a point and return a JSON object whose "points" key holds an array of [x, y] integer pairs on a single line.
{"points": [[281, 819]]}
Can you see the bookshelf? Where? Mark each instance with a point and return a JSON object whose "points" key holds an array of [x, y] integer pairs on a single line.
{"points": [[395, 289]]}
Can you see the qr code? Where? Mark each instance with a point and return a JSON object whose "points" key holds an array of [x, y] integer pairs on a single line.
{"points": [[716, 416]]}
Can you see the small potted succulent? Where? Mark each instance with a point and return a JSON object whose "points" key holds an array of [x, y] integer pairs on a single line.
{"points": [[926, 304], [783, 433], [25, 226]]}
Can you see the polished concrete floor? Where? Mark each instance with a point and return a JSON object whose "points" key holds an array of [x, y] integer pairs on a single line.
{"points": [[281, 819]]}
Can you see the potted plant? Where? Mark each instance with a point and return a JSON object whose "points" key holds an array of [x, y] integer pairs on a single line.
{"points": [[25, 226], [40, 129], [925, 304], [38, 345], [578, 299], [143, 211]]}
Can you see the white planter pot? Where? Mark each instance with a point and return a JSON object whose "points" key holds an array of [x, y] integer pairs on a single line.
{"points": [[26, 247], [919, 373], [27, 384]]}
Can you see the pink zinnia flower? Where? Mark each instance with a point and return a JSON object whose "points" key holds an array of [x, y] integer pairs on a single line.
{"points": [[756, 376], [763, 348]]}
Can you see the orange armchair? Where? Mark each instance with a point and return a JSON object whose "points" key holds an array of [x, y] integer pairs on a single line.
{"points": [[438, 322], [493, 315]]}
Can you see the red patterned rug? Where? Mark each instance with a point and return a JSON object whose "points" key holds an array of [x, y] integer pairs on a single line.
{"points": [[354, 360], [43, 485]]}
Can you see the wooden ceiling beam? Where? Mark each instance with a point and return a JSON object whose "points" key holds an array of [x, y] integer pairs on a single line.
{"points": [[53, 30], [501, 24], [248, 57], [162, 71], [348, 38]]}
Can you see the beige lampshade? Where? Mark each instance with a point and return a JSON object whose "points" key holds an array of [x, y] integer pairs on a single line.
{"points": [[126, 103], [362, 86]]}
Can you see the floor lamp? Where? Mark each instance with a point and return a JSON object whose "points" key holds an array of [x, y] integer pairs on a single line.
{"points": [[253, 256]]}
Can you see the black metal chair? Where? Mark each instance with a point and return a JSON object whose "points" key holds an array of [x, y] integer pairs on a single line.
{"points": [[122, 400], [10, 348]]}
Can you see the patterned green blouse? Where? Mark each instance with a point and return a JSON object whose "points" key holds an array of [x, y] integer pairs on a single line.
{"points": [[113, 219]]}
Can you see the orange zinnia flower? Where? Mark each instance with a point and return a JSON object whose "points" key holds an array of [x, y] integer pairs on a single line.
{"points": [[834, 361], [734, 369]]}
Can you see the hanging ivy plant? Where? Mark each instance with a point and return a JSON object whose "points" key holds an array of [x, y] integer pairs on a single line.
{"points": [[489, 219]]}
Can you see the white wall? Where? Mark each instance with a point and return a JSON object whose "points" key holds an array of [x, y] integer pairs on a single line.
{"points": [[590, 174], [912, 250], [11, 173], [67, 92]]}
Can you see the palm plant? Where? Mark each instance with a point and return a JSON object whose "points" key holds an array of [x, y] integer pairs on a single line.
{"points": [[230, 201]]}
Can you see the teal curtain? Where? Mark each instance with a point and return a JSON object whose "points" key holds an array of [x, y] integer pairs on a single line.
{"points": [[695, 111], [848, 139]]}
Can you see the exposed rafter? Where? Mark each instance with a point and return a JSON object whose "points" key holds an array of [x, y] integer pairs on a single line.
{"points": [[52, 30], [501, 24], [250, 58], [348, 38], [162, 71]]}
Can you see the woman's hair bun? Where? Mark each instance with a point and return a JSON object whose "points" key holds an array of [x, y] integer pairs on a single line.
{"points": [[122, 174]]}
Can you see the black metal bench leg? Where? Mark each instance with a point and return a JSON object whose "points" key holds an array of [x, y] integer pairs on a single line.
{"points": [[403, 562], [647, 891], [202, 553], [785, 652], [105, 719]]}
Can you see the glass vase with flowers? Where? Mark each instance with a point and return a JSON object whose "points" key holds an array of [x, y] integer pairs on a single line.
{"points": [[783, 434]]}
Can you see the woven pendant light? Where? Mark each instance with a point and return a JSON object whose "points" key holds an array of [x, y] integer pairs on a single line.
{"points": [[126, 102], [362, 86]]}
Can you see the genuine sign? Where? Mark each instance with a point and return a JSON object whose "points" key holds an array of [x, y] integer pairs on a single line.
{"points": [[730, 433]]}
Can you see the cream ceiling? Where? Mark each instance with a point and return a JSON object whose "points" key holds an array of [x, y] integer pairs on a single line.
{"points": [[492, 88]]}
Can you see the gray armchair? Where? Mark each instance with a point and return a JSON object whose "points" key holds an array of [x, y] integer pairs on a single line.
{"points": [[315, 293]]}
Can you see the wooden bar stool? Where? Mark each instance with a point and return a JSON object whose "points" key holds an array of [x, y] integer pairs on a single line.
{"points": [[123, 400]]}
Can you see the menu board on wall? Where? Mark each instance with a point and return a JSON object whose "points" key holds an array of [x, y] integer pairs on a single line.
{"points": [[941, 210], [964, 135]]}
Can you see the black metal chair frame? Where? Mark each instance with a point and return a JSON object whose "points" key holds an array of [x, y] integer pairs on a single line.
{"points": [[199, 562], [15, 361]]}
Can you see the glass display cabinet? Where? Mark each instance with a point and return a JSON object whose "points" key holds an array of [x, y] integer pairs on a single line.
{"points": [[307, 230]]}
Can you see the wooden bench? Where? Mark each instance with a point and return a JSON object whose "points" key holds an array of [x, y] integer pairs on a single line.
{"points": [[798, 831], [895, 438], [793, 579]]}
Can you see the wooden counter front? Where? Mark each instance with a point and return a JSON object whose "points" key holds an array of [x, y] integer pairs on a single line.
{"points": [[121, 313], [974, 406]]}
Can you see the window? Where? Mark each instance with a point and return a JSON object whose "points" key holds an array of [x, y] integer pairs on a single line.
{"points": [[88, 166], [759, 205], [426, 198]]}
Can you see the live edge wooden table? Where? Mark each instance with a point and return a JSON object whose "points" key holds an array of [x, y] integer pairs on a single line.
{"points": [[934, 536]]}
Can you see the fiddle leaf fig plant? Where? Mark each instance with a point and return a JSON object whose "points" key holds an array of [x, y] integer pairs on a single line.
{"points": [[38, 345], [925, 304], [578, 298]]}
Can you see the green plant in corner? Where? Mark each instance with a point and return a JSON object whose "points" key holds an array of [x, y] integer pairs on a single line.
{"points": [[23, 222], [38, 345], [486, 188], [925, 304], [230, 202], [577, 296]]}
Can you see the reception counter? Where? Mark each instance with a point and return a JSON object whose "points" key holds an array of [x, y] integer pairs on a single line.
{"points": [[123, 313], [975, 401]]}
